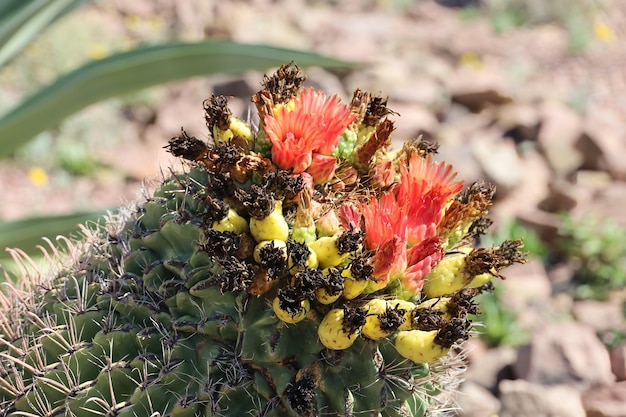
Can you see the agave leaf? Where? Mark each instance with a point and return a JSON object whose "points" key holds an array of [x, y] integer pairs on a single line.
{"points": [[23, 20], [26, 234], [137, 69]]}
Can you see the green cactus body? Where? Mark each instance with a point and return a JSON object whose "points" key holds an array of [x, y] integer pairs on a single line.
{"points": [[167, 312], [162, 337]]}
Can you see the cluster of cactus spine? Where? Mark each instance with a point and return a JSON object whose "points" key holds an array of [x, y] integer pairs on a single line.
{"points": [[297, 269]]}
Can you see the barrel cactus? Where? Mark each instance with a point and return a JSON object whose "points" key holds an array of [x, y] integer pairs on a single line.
{"points": [[297, 268]]}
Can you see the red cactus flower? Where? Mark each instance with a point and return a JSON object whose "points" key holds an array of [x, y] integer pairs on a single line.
{"points": [[389, 261], [322, 167], [383, 174], [401, 226], [385, 224], [425, 187], [292, 139], [335, 117], [421, 258], [350, 217], [312, 127]]}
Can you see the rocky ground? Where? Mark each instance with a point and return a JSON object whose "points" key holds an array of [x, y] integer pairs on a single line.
{"points": [[545, 124]]}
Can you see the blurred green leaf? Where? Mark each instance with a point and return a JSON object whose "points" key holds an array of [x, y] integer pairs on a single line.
{"points": [[130, 71], [27, 234], [21, 21], [500, 326]]}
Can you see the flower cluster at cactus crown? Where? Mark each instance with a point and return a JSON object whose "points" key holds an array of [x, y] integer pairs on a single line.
{"points": [[379, 241], [299, 268]]}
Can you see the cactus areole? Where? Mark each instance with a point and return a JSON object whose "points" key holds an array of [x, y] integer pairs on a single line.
{"points": [[300, 268]]}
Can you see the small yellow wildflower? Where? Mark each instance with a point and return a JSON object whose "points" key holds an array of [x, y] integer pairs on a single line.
{"points": [[132, 22], [604, 32], [38, 176], [156, 22], [98, 51], [471, 60]]}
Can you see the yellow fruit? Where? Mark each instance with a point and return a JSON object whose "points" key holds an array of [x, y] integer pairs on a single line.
{"points": [[311, 262], [419, 346], [372, 329], [331, 333], [284, 315], [352, 288], [271, 227], [407, 306], [241, 129], [233, 222], [236, 127], [275, 243], [439, 304], [447, 277], [480, 280], [327, 253], [373, 286], [322, 296]]}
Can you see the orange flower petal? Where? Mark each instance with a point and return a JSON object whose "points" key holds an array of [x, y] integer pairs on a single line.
{"points": [[312, 124], [322, 168]]}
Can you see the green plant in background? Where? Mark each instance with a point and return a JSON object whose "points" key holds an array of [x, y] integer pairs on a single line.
{"points": [[295, 269], [498, 324], [119, 74], [596, 249], [533, 245], [23, 20], [578, 17]]}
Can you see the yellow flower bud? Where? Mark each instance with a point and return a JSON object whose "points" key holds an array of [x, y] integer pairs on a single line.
{"points": [[407, 306]]}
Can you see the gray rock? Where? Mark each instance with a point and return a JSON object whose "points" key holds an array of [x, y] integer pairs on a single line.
{"points": [[564, 196], [414, 121], [499, 160], [606, 401], [527, 195], [601, 316], [564, 353], [183, 101], [526, 399], [561, 129], [526, 291], [475, 400], [618, 362], [607, 203], [488, 368], [478, 88], [519, 120], [456, 151], [605, 141]]}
